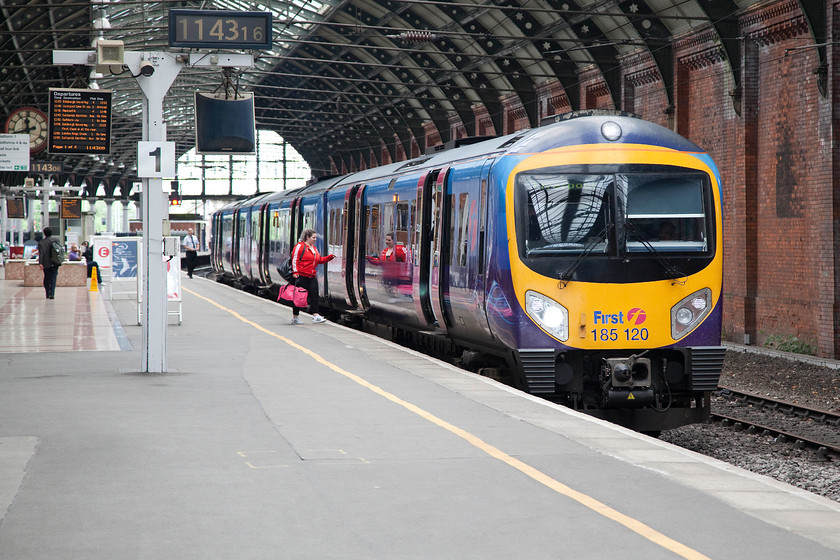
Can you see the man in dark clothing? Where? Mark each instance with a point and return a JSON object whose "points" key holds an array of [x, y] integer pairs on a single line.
{"points": [[50, 269], [190, 245]]}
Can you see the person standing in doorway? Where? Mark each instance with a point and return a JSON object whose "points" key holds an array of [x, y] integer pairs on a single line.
{"points": [[305, 259], [190, 245], [47, 265]]}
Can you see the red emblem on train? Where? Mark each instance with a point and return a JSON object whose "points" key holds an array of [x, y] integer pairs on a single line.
{"points": [[636, 316]]}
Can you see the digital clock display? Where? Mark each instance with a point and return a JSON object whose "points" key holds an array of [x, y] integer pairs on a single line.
{"points": [[219, 28]]}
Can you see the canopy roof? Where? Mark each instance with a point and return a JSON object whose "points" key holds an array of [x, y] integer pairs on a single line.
{"points": [[346, 78]]}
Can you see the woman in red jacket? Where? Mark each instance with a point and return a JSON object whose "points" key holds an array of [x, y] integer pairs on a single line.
{"points": [[305, 258]]}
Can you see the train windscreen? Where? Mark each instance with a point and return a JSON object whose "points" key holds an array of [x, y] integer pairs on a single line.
{"points": [[613, 213]]}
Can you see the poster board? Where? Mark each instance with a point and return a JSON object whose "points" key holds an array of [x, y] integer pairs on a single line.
{"points": [[102, 256]]}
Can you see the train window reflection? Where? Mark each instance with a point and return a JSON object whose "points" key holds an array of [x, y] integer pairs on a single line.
{"points": [[565, 213]]}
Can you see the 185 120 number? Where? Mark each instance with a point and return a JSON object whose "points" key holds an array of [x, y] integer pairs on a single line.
{"points": [[613, 335]]}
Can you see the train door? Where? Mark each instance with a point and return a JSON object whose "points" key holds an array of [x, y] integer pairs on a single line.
{"points": [[462, 277], [478, 275], [238, 227], [348, 239], [263, 245], [215, 247], [362, 219], [254, 243], [295, 229], [426, 242], [438, 277]]}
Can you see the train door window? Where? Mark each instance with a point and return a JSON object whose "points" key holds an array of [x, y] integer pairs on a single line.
{"points": [[401, 226], [283, 233], [387, 228], [308, 220], [463, 229], [372, 247], [413, 224], [482, 221], [457, 229]]}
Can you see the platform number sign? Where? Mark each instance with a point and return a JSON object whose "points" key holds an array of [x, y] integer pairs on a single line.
{"points": [[155, 160]]}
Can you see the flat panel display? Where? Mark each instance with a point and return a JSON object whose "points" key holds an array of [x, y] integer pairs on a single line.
{"points": [[224, 126], [220, 29], [80, 121], [16, 208], [71, 208]]}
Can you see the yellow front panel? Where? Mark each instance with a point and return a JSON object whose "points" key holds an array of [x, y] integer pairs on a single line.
{"points": [[633, 315]]}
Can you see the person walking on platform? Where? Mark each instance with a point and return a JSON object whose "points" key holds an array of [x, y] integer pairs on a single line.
{"points": [[190, 245], [47, 263], [305, 259]]}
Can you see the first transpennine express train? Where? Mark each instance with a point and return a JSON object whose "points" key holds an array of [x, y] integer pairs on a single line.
{"points": [[580, 261]]}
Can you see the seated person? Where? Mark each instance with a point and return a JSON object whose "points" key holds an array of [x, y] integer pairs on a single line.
{"points": [[87, 253], [73, 254]]}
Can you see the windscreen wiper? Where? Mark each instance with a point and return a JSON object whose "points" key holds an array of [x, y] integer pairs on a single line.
{"points": [[566, 275], [671, 271]]}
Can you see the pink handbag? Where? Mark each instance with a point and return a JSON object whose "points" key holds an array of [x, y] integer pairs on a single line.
{"points": [[293, 294]]}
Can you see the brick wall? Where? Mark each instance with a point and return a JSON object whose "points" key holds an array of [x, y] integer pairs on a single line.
{"points": [[771, 133]]}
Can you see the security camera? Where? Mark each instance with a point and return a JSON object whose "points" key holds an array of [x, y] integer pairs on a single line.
{"points": [[146, 68]]}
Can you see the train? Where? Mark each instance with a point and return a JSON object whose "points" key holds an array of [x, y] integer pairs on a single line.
{"points": [[580, 261]]}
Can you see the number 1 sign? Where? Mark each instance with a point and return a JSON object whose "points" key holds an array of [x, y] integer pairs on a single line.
{"points": [[155, 160]]}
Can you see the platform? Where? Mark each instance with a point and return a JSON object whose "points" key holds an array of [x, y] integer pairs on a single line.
{"points": [[267, 440]]}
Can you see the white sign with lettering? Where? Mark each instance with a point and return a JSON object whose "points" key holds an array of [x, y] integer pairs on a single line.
{"points": [[155, 160], [14, 152]]}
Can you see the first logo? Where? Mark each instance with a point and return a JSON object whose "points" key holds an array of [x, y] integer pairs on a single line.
{"points": [[637, 316]]}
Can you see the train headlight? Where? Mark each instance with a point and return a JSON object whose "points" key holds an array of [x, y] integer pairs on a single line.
{"points": [[688, 313], [548, 314]]}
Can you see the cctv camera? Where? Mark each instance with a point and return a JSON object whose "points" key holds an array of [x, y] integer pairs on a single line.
{"points": [[146, 68]]}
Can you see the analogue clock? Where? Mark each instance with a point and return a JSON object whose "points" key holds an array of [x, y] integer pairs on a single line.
{"points": [[31, 121]]}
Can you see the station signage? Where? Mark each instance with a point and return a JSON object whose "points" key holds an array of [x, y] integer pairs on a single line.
{"points": [[70, 208], [46, 167], [16, 208], [14, 152], [80, 121], [220, 29]]}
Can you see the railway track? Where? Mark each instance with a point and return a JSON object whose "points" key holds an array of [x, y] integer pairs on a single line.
{"points": [[791, 423]]}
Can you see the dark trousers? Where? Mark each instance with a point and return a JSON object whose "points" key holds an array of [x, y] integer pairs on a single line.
{"points": [[50, 277], [311, 285], [191, 257]]}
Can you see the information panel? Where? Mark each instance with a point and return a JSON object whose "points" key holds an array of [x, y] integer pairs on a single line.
{"points": [[71, 208], [16, 208], [46, 167], [80, 121], [14, 152], [220, 29]]}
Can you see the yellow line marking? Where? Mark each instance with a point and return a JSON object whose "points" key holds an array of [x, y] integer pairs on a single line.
{"points": [[585, 500]]}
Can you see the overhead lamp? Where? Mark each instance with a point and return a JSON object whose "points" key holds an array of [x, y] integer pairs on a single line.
{"points": [[108, 53]]}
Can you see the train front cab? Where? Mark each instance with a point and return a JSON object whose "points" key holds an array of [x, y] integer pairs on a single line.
{"points": [[617, 268]]}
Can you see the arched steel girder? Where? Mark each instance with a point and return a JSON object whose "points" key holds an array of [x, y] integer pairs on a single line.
{"points": [[480, 53]]}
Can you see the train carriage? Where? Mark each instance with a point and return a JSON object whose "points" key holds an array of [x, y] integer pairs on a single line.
{"points": [[580, 261]]}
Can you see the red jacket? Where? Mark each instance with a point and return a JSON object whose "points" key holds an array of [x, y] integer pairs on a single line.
{"points": [[306, 258]]}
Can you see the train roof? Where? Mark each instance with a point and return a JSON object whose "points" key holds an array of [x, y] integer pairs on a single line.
{"points": [[581, 127]]}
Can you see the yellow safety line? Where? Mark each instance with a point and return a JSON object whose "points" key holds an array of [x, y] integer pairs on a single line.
{"points": [[598, 507]]}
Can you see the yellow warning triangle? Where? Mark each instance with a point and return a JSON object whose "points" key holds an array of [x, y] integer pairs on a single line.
{"points": [[631, 397]]}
